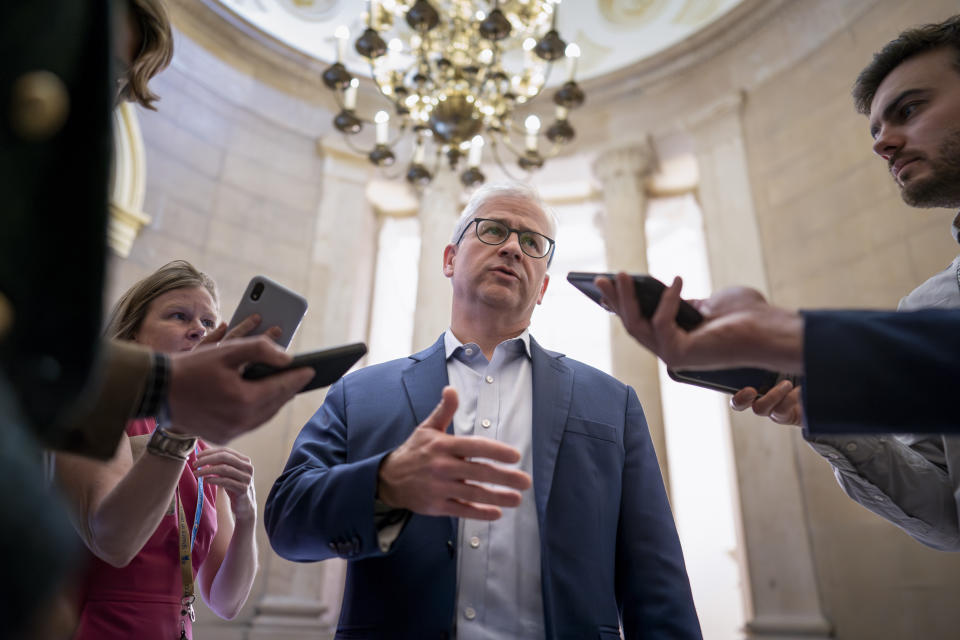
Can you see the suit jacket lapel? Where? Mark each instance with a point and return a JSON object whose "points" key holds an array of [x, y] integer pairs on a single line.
{"points": [[552, 392], [424, 379]]}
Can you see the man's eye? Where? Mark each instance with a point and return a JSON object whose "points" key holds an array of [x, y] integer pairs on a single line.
{"points": [[492, 230], [209, 324], [908, 109], [178, 315], [530, 241]]}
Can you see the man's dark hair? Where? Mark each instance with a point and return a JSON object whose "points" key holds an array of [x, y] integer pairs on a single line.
{"points": [[908, 44]]}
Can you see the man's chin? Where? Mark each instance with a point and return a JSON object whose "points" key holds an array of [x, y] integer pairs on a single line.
{"points": [[931, 194]]}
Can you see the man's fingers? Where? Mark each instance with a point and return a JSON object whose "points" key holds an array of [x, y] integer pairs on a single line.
{"points": [[743, 399], [460, 509], [484, 472], [666, 312], [442, 414], [477, 494], [763, 406], [790, 410], [609, 291], [628, 307], [477, 447], [254, 349]]}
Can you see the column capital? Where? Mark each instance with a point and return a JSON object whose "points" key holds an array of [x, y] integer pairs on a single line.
{"points": [[636, 160]]}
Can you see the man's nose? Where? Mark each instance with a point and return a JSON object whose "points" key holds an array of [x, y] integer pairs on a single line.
{"points": [[511, 246], [888, 141]]}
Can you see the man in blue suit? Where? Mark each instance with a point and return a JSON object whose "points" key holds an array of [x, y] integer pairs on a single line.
{"points": [[443, 535]]}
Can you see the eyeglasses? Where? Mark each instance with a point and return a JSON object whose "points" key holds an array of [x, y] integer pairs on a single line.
{"points": [[494, 232]]}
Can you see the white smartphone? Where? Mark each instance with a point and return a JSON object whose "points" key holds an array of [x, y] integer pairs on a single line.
{"points": [[277, 306]]}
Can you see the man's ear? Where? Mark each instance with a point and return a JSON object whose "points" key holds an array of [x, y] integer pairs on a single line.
{"points": [[543, 287], [449, 254]]}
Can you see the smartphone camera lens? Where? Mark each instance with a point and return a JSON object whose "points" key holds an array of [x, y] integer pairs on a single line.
{"points": [[257, 291]]}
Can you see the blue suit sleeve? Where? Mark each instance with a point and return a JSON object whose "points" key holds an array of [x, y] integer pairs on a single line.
{"points": [[322, 506], [881, 372], [653, 590]]}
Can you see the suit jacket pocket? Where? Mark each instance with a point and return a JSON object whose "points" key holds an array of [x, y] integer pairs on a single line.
{"points": [[592, 429], [608, 633]]}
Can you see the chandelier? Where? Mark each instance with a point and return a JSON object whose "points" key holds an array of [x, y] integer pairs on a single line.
{"points": [[454, 73]]}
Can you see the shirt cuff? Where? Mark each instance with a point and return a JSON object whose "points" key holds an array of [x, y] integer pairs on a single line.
{"points": [[389, 522], [157, 387]]}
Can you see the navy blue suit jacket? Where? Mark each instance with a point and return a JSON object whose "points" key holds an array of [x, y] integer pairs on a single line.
{"points": [[609, 547], [882, 372]]}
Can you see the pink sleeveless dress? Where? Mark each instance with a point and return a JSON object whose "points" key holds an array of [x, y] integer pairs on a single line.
{"points": [[142, 600]]}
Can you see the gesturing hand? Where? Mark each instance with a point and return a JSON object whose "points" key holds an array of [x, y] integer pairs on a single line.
{"points": [[234, 472], [435, 473]]}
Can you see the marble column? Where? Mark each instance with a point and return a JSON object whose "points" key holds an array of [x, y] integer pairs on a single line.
{"points": [[622, 173], [782, 594], [439, 209], [303, 600]]}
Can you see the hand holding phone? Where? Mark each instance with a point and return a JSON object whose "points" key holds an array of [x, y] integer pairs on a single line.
{"points": [[329, 365], [648, 291], [277, 306]]}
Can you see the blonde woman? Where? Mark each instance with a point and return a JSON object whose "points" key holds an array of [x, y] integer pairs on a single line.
{"points": [[164, 496]]}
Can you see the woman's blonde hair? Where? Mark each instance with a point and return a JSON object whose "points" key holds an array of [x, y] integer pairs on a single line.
{"points": [[128, 314], [156, 51]]}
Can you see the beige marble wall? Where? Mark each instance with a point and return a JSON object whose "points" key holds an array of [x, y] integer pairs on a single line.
{"points": [[832, 231]]}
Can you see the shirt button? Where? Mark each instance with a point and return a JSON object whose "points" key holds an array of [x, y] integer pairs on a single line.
{"points": [[474, 542], [485, 423], [489, 379], [851, 446], [468, 351], [469, 613]]}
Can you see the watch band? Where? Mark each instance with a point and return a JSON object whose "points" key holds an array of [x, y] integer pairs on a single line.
{"points": [[170, 445]]}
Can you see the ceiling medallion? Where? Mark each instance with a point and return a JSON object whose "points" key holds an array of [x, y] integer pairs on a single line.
{"points": [[453, 73]]}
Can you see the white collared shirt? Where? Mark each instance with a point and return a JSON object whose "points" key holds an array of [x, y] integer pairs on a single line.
{"points": [[499, 593]]}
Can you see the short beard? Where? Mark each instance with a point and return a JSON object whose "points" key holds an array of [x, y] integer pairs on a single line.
{"points": [[942, 188]]}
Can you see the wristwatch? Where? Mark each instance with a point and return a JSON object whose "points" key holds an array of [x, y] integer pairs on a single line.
{"points": [[170, 445]]}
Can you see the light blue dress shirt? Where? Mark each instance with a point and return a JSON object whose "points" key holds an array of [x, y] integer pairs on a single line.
{"points": [[499, 593]]}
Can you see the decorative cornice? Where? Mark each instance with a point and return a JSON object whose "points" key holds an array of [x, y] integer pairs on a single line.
{"points": [[636, 160], [245, 47], [704, 45]]}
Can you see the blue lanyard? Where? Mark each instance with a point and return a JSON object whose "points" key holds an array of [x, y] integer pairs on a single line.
{"points": [[199, 512]]}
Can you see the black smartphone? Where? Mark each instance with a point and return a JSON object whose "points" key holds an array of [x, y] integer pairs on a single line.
{"points": [[649, 290], [328, 365], [732, 380]]}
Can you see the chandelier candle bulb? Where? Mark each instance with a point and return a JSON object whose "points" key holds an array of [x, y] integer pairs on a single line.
{"points": [[383, 123], [342, 34], [418, 152], [350, 95], [573, 52], [476, 151], [562, 113], [533, 131]]}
